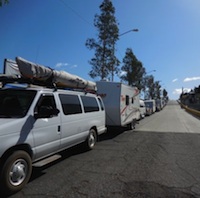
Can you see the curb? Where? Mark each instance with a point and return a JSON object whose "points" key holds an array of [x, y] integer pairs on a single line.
{"points": [[192, 111]]}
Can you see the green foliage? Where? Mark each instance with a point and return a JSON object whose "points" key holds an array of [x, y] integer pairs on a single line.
{"points": [[133, 70], [150, 86], [104, 62], [3, 2], [157, 90], [165, 93]]}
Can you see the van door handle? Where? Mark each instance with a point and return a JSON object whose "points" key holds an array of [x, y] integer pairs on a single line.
{"points": [[59, 128]]}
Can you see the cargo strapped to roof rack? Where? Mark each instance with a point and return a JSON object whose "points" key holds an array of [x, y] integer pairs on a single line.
{"points": [[32, 73], [5, 79]]}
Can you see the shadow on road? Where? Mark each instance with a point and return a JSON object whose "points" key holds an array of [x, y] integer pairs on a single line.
{"points": [[112, 133], [75, 150]]}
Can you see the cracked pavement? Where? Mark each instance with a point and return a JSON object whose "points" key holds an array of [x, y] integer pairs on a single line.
{"points": [[160, 158]]}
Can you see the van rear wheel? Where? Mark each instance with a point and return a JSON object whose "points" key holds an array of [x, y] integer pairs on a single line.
{"points": [[16, 172], [91, 139]]}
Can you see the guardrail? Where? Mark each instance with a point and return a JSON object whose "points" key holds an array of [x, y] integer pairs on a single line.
{"points": [[190, 110]]}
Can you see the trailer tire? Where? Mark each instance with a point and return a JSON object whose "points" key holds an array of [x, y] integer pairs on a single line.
{"points": [[16, 172], [91, 139], [131, 125]]}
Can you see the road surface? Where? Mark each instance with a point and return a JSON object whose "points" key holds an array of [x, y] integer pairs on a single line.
{"points": [[160, 158]]}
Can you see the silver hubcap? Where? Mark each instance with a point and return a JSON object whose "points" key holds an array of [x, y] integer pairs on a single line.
{"points": [[92, 140], [18, 172]]}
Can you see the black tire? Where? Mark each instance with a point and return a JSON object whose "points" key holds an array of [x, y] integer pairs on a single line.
{"points": [[16, 172], [131, 125], [91, 139]]}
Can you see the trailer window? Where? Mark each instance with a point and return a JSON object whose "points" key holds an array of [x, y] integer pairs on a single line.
{"points": [[127, 100], [90, 104], [70, 104]]}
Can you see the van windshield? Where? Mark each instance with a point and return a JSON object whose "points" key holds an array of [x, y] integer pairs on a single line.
{"points": [[15, 103]]}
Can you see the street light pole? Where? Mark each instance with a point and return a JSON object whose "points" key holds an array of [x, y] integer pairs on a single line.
{"points": [[133, 30]]}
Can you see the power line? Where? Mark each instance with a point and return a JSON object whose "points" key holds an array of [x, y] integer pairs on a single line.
{"points": [[75, 12]]}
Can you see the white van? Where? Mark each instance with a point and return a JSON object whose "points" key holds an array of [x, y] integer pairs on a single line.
{"points": [[37, 123]]}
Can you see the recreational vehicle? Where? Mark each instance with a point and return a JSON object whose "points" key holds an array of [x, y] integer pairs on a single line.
{"points": [[150, 106], [159, 104], [121, 103], [142, 109]]}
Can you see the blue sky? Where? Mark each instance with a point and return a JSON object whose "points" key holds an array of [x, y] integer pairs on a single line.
{"points": [[53, 33]]}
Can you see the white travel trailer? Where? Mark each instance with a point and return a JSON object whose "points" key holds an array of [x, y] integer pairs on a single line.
{"points": [[142, 109], [121, 103], [150, 106], [159, 104]]}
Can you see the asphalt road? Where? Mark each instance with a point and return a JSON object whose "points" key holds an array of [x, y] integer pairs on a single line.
{"points": [[160, 158]]}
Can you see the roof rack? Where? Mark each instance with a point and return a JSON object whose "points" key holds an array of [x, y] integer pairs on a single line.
{"points": [[5, 79], [17, 79], [23, 71]]}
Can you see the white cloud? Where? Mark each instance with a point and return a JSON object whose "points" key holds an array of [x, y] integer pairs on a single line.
{"points": [[59, 65], [191, 79], [179, 91], [73, 66], [175, 80], [122, 73]]}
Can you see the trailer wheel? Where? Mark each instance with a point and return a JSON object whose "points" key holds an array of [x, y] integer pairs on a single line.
{"points": [[16, 172], [91, 139], [131, 125]]}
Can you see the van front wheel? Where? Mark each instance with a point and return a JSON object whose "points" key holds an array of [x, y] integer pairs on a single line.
{"points": [[16, 171], [91, 139]]}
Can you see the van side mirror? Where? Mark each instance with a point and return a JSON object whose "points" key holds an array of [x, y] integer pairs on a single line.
{"points": [[46, 112]]}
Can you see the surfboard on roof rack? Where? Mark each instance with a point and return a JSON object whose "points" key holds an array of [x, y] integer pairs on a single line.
{"points": [[44, 74]]}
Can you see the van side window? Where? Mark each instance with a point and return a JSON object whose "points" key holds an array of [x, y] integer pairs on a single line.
{"points": [[46, 101], [90, 104], [101, 104], [70, 104]]}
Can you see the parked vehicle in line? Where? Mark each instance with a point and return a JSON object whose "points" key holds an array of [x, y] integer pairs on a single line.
{"points": [[159, 104], [121, 103], [150, 106], [142, 109], [38, 122]]}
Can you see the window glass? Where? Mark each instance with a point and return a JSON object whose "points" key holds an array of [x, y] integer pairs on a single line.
{"points": [[90, 104], [127, 100], [15, 103], [70, 104], [101, 103], [45, 101]]}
